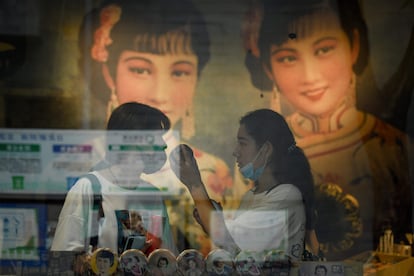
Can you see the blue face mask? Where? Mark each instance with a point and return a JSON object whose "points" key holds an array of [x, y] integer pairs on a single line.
{"points": [[249, 172]]}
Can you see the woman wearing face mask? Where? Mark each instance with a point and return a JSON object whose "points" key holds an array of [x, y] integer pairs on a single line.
{"points": [[153, 52], [312, 53], [273, 214]]}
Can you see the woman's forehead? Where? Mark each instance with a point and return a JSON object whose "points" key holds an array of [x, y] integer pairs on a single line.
{"points": [[313, 23], [172, 42], [242, 134]]}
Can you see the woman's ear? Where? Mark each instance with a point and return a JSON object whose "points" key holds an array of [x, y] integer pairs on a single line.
{"points": [[275, 88], [268, 149], [355, 46]]}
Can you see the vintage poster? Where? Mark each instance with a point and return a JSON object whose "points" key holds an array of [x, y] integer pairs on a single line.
{"points": [[340, 72]]}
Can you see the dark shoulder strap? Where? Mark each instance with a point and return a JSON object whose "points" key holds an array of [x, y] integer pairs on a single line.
{"points": [[97, 203], [97, 193]]}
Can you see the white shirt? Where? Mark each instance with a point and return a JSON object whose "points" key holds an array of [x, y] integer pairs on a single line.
{"points": [[271, 220], [74, 227]]}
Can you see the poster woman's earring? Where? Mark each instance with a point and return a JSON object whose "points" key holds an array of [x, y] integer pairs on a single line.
{"points": [[188, 128], [275, 99], [351, 97], [352, 82], [112, 104], [113, 100]]}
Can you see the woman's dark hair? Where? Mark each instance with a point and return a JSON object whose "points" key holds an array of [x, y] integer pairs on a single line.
{"points": [[276, 28], [288, 161], [153, 19], [144, 21], [137, 116]]}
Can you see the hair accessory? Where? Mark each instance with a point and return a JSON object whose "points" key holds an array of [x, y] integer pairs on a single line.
{"points": [[109, 16], [292, 147], [275, 100], [112, 104]]}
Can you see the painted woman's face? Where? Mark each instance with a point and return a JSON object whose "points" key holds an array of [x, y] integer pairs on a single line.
{"points": [[314, 72], [166, 82]]}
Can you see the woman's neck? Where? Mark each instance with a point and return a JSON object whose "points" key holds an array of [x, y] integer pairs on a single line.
{"points": [[266, 182], [340, 117]]}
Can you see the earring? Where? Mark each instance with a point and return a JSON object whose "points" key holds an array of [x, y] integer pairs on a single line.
{"points": [[187, 128], [275, 100], [351, 97], [112, 104], [275, 90]]}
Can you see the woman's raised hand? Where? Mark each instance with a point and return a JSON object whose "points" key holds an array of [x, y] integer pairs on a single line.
{"points": [[185, 166]]}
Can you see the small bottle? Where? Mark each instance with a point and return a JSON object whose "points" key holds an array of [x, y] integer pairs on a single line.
{"points": [[388, 241]]}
